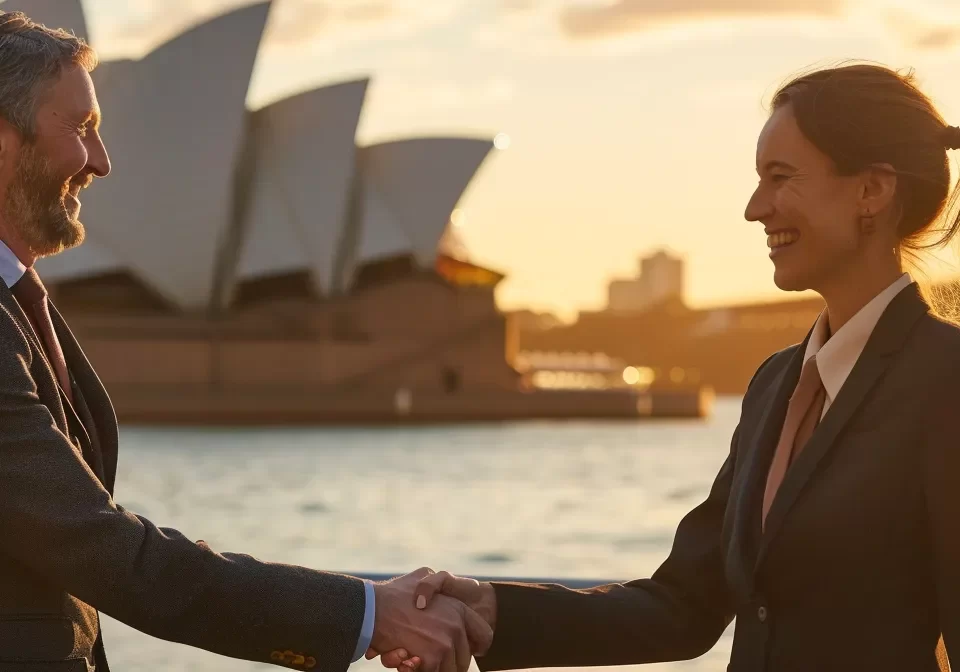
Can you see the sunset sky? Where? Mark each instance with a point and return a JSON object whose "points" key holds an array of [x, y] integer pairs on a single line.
{"points": [[632, 122]]}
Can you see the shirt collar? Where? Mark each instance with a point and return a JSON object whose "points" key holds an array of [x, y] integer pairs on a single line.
{"points": [[11, 268], [837, 354]]}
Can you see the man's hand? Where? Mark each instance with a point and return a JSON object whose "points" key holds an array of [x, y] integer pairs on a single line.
{"points": [[478, 597], [443, 638]]}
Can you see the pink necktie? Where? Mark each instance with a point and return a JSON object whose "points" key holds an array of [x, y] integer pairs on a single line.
{"points": [[942, 659], [803, 414], [32, 297]]}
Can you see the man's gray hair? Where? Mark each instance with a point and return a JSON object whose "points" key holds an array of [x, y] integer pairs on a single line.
{"points": [[32, 57]]}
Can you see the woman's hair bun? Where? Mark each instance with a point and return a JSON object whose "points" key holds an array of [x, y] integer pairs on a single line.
{"points": [[951, 137]]}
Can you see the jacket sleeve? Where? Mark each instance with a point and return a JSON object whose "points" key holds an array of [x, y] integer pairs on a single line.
{"points": [[58, 520], [677, 614]]}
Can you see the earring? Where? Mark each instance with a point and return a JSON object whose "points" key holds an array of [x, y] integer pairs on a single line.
{"points": [[866, 222]]}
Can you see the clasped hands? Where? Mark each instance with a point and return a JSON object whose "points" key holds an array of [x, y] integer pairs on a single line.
{"points": [[430, 621]]}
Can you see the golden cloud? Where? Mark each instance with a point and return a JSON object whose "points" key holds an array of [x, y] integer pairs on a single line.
{"points": [[292, 22], [598, 20], [924, 32]]}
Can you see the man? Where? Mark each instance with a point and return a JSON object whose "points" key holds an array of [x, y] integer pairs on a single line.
{"points": [[67, 549]]}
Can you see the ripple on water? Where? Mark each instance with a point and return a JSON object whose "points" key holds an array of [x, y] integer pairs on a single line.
{"points": [[684, 493], [493, 558], [643, 542], [314, 507]]}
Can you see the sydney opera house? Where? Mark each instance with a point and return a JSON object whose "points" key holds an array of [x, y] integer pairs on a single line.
{"points": [[258, 265]]}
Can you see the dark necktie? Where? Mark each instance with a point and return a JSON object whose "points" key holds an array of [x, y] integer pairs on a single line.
{"points": [[32, 296]]}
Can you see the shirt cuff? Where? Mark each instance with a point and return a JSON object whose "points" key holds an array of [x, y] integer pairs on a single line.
{"points": [[366, 630]]}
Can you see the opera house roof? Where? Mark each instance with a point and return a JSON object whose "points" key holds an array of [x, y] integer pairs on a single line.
{"points": [[206, 195]]}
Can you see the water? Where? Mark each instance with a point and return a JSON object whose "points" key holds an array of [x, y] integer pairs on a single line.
{"points": [[558, 499]]}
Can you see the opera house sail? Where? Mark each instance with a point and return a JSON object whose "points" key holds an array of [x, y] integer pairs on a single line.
{"points": [[258, 266], [297, 196]]}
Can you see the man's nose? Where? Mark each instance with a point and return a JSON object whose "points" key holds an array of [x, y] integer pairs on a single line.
{"points": [[98, 161]]}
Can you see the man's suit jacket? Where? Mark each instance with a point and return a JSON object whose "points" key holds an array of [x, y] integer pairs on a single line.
{"points": [[67, 549], [858, 566]]}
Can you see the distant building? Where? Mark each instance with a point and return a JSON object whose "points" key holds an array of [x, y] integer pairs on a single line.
{"points": [[660, 280], [722, 345]]}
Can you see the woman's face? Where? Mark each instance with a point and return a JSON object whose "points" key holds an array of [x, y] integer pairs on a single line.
{"points": [[810, 213]]}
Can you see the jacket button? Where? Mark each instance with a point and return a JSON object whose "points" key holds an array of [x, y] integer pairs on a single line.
{"points": [[310, 663], [762, 614], [298, 660], [276, 656]]}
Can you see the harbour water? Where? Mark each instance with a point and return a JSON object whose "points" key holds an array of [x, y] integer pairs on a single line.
{"points": [[557, 499]]}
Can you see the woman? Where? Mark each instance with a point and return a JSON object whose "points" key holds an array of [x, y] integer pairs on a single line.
{"points": [[832, 532]]}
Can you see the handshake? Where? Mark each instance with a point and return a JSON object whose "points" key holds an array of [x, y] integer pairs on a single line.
{"points": [[432, 622]]}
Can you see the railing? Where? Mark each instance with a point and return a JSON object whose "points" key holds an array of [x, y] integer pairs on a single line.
{"points": [[576, 584]]}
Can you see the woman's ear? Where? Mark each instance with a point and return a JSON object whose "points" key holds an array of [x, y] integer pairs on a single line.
{"points": [[878, 188]]}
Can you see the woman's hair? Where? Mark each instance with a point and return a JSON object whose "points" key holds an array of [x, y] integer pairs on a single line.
{"points": [[865, 114]]}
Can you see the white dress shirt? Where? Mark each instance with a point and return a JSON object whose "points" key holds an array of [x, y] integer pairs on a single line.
{"points": [[837, 354], [11, 268]]}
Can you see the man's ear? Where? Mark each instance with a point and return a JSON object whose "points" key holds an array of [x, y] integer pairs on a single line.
{"points": [[11, 142]]}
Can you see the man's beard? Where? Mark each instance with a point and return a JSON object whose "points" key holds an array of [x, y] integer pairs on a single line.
{"points": [[35, 206]]}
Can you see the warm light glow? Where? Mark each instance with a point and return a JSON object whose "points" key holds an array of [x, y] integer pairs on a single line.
{"points": [[464, 274], [568, 380], [502, 141], [676, 374], [639, 376], [458, 218]]}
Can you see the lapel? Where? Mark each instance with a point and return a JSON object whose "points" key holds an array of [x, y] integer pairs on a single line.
{"points": [[93, 454], [94, 395], [886, 341], [753, 476], [67, 412]]}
